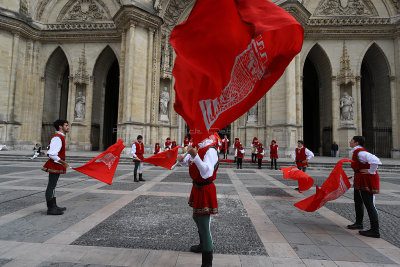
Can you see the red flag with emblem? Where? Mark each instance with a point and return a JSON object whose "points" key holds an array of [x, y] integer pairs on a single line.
{"points": [[304, 180], [335, 186], [229, 54], [165, 159], [104, 165]]}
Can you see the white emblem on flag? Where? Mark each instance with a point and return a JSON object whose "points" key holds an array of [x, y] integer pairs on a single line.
{"points": [[107, 159], [248, 69], [342, 188]]}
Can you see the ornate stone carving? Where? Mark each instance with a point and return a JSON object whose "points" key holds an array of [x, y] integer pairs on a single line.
{"points": [[346, 108], [84, 10], [253, 114], [80, 103], [345, 76], [346, 8], [157, 5], [81, 26], [81, 76], [349, 21], [164, 100], [174, 12], [24, 8]]}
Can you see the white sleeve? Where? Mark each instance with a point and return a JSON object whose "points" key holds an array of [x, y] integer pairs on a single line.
{"points": [[242, 151], [372, 160], [133, 151], [294, 155], [186, 161], [262, 153], [309, 154], [55, 147], [206, 166]]}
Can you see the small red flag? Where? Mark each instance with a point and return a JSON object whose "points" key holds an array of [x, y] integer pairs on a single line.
{"points": [[335, 186], [229, 54], [165, 159], [304, 180], [104, 165]]}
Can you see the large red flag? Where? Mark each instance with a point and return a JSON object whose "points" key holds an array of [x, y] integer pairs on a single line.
{"points": [[165, 159], [104, 165], [229, 54], [304, 180], [336, 185]]}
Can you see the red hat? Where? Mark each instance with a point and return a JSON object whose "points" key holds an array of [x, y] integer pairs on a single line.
{"points": [[255, 138], [174, 142], [157, 144], [168, 138], [260, 144], [273, 141]]}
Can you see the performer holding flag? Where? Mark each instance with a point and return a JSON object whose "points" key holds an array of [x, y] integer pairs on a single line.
{"points": [[156, 148], [137, 152], [203, 165], [167, 144], [56, 165], [366, 185], [302, 155]]}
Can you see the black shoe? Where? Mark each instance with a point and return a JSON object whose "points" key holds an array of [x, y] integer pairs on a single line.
{"points": [[52, 209], [195, 248], [297, 189], [135, 178], [259, 167], [206, 259], [370, 233], [141, 177], [355, 226], [59, 208]]}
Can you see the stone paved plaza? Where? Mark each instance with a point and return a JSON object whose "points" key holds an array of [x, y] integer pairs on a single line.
{"points": [[150, 224]]}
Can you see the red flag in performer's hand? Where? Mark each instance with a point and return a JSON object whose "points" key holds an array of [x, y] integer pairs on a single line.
{"points": [[335, 186], [304, 180], [229, 54], [165, 159], [104, 165]]}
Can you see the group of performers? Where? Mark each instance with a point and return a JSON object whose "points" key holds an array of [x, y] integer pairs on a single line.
{"points": [[168, 144]]}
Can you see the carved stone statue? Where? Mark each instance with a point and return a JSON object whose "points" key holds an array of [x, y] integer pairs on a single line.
{"points": [[346, 107], [253, 114], [164, 100], [157, 5], [80, 103]]}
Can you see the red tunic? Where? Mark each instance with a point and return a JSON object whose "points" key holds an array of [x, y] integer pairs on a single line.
{"points": [[185, 142], [259, 151], [364, 182], [203, 198], [167, 144], [255, 145], [50, 165], [239, 154], [156, 149], [225, 145], [273, 152], [139, 150], [300, 156]]}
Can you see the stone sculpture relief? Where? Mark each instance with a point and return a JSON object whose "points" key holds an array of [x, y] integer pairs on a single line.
{"points": [[253, 114], [346, 107], [164, 100], [80, 102], [346, 8]]}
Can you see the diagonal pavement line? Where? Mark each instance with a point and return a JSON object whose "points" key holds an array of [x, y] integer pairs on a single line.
{"points": [[40, 206], [384, 247], [73, 232], [277, 246]]}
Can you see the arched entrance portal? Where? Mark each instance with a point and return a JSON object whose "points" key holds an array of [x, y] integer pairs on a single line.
{"points": [[56, 86], [105, 100], [376, 102], [317, 102]]}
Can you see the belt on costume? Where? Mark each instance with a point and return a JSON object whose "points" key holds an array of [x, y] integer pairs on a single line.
{"points": [[356, 171], [199, 185], [299, 161]]}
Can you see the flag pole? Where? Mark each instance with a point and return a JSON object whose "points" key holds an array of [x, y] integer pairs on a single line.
{"points": [[176, 163]]}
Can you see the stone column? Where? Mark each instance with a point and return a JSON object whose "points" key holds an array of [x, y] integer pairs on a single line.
{"points": [[156, 86], [335, 109], [395, 86], [129, 71], [357, 96], [149, 84]]}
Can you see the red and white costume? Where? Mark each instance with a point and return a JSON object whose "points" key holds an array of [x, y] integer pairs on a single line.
{"points": [[55, 153], [273, 151], [260, 151], [157, 148], [225, 144], [362, 159], [302, 154], [203, 171], [137, 151], [167, 144]]}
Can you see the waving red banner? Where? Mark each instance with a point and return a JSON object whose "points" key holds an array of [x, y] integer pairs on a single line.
{"points": [[229, 54], [165, 159], [335, 186], [104, 165], [304, 180]]}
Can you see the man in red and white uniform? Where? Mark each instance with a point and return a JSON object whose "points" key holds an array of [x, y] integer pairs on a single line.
{"points": [[366, 185], [260, 154], [185, 144], [239, 154], [56, 165], [157, 148], [302, 155], [273, 153], [203, 165], [173, 145], [167, 144], [225, 146], [137, 152], [234, 146], [253, 146]]}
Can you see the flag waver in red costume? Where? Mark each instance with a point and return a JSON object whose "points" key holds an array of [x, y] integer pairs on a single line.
{"points": [[260, 154], [203, 165], [366, 185], [225, 146], [56, 165], [137, 152], [229, 54], [302, 155], [273, 153]]}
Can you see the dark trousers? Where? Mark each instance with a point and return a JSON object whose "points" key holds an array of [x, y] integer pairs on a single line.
{"points": [[259, 162], [253, 157], [273, 161], [51, 186], [239, 162], [203, 227], [361, 199], [137, 163]]}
